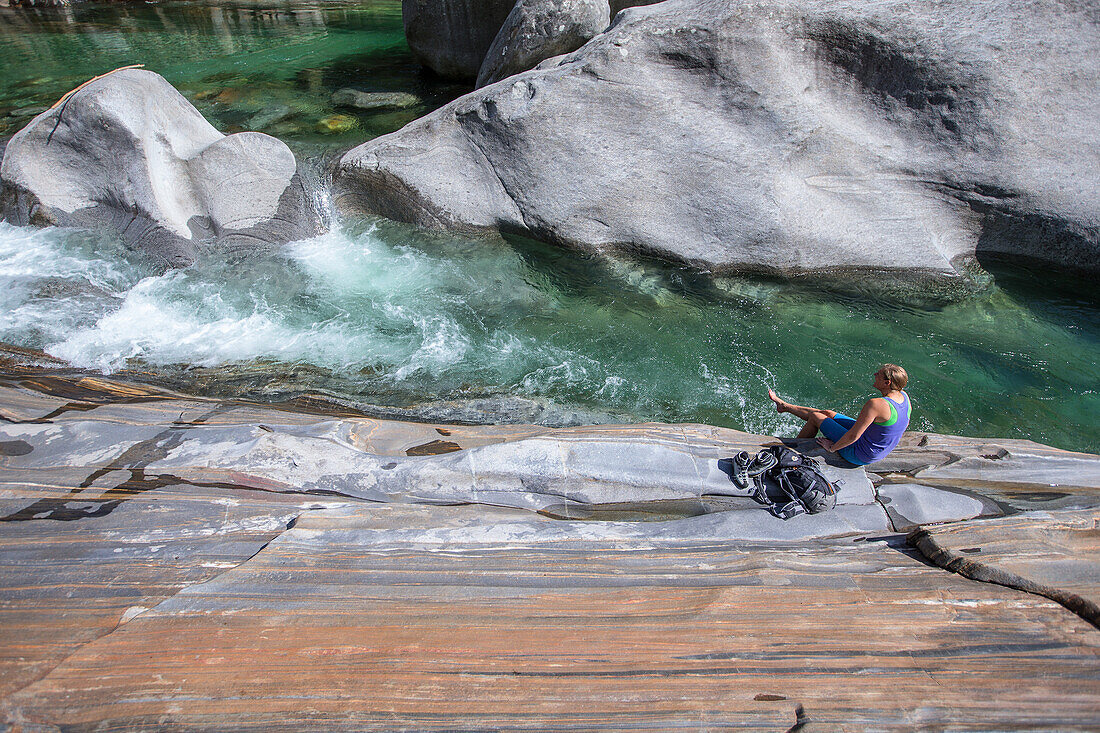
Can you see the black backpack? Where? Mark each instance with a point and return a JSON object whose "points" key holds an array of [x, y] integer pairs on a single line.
{"points": [[804, 489]]}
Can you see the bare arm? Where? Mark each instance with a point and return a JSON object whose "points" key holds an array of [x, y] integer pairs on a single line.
{"points": [[866, 416]]}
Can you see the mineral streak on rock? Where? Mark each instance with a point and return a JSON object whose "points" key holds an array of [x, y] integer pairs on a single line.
{"points": [[157, 548], [1052, 554], [127, 153], [780, 136]]}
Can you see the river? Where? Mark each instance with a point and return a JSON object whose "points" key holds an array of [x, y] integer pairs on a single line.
{"points": [[376, 313]]}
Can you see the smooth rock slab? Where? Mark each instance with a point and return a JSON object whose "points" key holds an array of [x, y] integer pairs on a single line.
{"points": [[912, 505], [1035, 465], [491, 527], [128, 154], [138, 597], [576, 466], [1053, 554], [634, 472], [80, 558], [319, 631]]}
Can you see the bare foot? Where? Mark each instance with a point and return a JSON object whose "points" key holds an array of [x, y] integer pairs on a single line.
{"points": [[779, 404]]}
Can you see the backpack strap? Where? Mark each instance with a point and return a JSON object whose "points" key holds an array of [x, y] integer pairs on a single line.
{"points": [[792, 508]]}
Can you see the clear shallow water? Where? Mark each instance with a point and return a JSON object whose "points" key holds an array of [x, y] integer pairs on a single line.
{"points": [[384, 314], [245, 65]]}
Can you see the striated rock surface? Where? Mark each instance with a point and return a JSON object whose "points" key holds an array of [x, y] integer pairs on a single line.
{"points": [[451, 37], [157, 548], [324, 630], [659, 468], [536, 30], [779, 136], [1052, 554], [128, 153]]}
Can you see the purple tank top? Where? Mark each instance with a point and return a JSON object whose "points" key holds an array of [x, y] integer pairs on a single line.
{"points": [[879, 439]]}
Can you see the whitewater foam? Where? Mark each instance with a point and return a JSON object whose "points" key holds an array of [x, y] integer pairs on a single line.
{"points": [[388, 315]]}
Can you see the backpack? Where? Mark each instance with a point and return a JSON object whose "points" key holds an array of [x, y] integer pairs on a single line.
{"points": [[804, 489]]}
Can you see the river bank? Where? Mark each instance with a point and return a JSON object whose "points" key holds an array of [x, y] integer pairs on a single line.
{"points": [[335, 395]]}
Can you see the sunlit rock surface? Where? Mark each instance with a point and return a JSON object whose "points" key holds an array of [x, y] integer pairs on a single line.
{"points": [[536, 30], [1051, 554], [285, 570], [128, 154], [779, 136]]}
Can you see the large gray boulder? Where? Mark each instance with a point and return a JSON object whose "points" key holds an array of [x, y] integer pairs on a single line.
{"points": [[780, 136], [128, 153], [536, 30], [451, 37]]}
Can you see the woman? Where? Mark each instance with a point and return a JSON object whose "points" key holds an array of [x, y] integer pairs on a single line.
{"points": [[869, 437]]}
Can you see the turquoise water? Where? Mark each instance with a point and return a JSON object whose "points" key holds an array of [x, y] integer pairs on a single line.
{"points": [[381, 313], [233, 61]]}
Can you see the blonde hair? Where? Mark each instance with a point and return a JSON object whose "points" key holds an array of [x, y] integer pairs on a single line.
{"points": [[895, 376]]}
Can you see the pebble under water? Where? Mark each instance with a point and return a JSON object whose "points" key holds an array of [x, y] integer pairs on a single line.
{"points": [[382, 314]]}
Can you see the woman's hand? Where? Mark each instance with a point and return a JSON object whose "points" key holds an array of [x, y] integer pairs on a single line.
{"points": [[826, 444]]}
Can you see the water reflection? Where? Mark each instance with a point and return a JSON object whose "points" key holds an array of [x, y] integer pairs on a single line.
{"points": [[272, 67]]}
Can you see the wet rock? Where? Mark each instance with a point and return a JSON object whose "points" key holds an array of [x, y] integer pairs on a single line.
{"points": [[127, 153], [374, 100], [451, 37], [780, 137], [504, 410], [536, 30]]}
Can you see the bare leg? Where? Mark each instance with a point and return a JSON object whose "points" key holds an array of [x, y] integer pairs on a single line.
{"points": [[812, 425], [813, 416]]}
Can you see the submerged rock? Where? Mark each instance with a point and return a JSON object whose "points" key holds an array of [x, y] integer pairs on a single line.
{"points": [[779, 137], [27, 111], [128, 153], [268, 117], [536, 30], [337, 124], [374, 100]]}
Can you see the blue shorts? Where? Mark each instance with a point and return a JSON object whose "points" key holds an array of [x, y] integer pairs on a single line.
{"points": [[834, 429]]}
